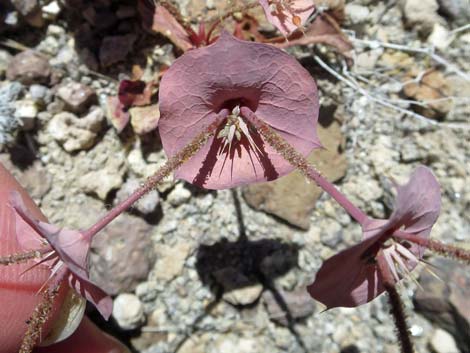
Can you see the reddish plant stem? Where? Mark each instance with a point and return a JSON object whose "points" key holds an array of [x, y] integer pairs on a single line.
{"points": [[174, 11], [396, 305], [436, 246], [171, 165], [301, 163], [221, 18]]}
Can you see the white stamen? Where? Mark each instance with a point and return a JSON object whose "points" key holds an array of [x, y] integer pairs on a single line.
{"points": [[391, 264], [406, 253], [235, 127], [236, 111]]}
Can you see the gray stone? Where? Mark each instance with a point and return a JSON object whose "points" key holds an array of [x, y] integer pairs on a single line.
{"points": [[146, 291], [179, 195], [288, 305], [146, 205], [332, 235], [446, 302], [74, 133], [122, 255], [76, 96], [457, 10], [40, 94], [29, 67], [128, 311], [8, 123]]}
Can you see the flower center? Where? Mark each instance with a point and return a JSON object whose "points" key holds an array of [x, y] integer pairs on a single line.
{"points": [[399, 259], [233, 131]]}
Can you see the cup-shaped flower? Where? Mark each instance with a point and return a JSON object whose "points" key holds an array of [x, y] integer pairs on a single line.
{"points": [[64, 251], [287, 15], [353, 276], [221, 81]]}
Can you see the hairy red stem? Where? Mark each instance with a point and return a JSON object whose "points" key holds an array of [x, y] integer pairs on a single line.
{"points": [[396, 305], [301, 163], [171, 165], [436, 246]]}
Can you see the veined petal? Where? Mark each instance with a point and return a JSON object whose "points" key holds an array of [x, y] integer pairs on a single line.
{"points": [[352, 277], [91, 292]]}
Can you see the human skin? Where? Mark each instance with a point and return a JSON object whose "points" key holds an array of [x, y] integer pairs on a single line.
{"points": [[87, 339], [19, 291]]}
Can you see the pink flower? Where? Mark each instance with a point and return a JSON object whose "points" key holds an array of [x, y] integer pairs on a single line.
{"points": [[65, 251], [287, 15], [352, 277], [229, 80]]}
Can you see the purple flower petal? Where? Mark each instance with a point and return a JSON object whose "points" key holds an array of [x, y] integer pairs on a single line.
{"points": [[70, 246], [91, 292], [351, 278], [205, 83]]}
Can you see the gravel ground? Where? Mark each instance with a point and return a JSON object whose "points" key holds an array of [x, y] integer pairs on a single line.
{"points": [[213, 270]]}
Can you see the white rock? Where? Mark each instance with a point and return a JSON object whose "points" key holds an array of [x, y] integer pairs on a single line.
{"points": [[179, 195], [128, 311], [100, 182], [55, 30], [146, 204], [26, 112], [76, 133], [144, 119], [51, 10], [421, 14], [230, 343], [440, 37], [443, 342], [171, 260], [357, 13], [238, 289]]}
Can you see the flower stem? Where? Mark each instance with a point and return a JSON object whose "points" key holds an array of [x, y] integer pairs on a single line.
{"points": [[217, 20], [175, 12], [301, 163], [396, 305], [22, 257], [437, 246], [171, 165]]}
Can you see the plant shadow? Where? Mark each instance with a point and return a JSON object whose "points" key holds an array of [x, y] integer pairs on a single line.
{"points": [[256, 261]]}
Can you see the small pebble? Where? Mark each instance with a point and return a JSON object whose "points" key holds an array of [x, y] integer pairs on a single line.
{"points": [[128, 311]]}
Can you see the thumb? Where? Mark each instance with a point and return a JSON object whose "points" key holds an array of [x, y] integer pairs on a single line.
{"points": [[87, 339], [19, 290]]}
